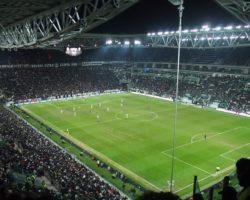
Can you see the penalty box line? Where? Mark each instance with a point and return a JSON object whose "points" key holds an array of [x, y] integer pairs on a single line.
{"points": [[190, 143], [182, 161], [206, 177], [235, 149]]}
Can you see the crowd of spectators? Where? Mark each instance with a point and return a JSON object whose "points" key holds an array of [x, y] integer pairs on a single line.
{"points": [[25, 151], [230, 92], [44, 82]]}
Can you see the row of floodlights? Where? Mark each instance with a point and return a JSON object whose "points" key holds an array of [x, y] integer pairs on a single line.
{"points": [[215, 38], [73, 51], [204, 28], [138, 42], [125, 43]]}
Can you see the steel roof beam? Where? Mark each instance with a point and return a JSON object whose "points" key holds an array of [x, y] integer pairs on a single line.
{"points": [[238, 8], [64, 21]]}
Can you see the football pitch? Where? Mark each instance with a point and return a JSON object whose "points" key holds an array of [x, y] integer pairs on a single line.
{"points": [[133, 133]]}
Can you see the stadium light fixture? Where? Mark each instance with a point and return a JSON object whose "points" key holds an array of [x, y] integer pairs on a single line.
{"points": [[152, 33], [166, 32], [172, 32], [247, 26], [160, 33], [175, 2], [137, 42], [126, 43], [217, 28], [228, 27], [185, 31], [233, 37], [238, 27], [73, 51], [108, 42], [205, 26], [149, 34], [242, 37], [194, 30]]}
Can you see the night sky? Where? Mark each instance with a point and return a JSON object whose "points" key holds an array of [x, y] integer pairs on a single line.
{"points": [[160, 15]]}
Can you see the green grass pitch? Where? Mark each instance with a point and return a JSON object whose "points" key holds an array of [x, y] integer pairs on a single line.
{"points": [[134, 135]]}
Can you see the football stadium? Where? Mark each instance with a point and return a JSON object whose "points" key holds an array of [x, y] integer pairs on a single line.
{"points": [[163, 114]]}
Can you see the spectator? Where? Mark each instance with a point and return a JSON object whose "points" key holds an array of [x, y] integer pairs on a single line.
{"points": [[243, 174], [159, 196]]}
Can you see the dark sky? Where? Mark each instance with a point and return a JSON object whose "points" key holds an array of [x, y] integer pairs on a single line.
{"points": [[160, 15]]}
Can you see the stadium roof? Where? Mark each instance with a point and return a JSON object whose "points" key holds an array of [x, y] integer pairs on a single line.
{"points": [[43, 23], [239, 8]]}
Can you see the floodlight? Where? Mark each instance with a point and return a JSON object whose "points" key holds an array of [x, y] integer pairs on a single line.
{"points": [[217, 28], [166, 32], [137, 42], [242, 37], [160, 33], [205, 26], [73, 51], [228, 28], [172, 32], [152, 33], [194, 30], [126, 43], [175, 2], [149, 34], [185, 31], [238, 27], [247, 26], [233, 37], [225, 37], [108, 42]]}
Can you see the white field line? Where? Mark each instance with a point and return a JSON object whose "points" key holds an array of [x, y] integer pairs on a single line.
{"points": [[225, 157], [188, 164], [239, 147], [212, 175], [235, 149], [187, 186], [221, 171], [186, 144], [116, 118], [107, 121], [193, 137], [139, 115], [97, 153], [246, 127]]}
